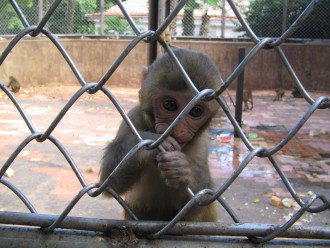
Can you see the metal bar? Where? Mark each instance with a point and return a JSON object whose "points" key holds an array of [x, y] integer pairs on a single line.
{"points": [[175, 60], [284, 16], [170, 17], [102, 17], [256, 233], [65, 109], [18, 107], [153, 25], [120, 59], [148, 227], [239, 91], [128, 17], [296, 24], [40, 10], [46, 17], [19, 13], [19, 194], [244, 24], [252, 53]]}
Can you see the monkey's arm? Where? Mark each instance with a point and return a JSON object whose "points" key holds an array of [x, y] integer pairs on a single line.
{"points": [[180, 171], [188, 168], [127, 174]]}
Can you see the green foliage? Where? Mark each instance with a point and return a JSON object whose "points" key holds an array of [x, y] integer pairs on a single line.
{"points": [[191, 5], [9, 21], [266, 16], [117, 24], [11, 24], [58, 23]]}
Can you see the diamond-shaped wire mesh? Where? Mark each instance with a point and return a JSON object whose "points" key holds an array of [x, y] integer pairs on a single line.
{"points": [[95, 189], [199, 18]]}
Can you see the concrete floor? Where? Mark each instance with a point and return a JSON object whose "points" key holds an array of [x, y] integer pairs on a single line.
{"points": [[46, 179]]}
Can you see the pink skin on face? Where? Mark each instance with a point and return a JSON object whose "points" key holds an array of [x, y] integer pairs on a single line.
{"points": [[166, 107]]}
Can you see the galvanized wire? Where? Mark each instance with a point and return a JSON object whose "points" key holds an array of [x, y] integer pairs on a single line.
{"points": [[201, 198]]}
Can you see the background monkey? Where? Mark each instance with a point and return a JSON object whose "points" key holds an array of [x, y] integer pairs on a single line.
{"points": [[155, 182], [247, 97], [279, 94], [13, 85]]}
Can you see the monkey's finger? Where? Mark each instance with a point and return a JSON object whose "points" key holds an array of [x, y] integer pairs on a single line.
{"points": [[172, 165], [168, 146], [172, 183], [170, 174], [170, 156], [174, 143]]}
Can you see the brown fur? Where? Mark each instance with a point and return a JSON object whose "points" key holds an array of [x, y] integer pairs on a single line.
{"points": [[13, 85], [247, 97], [280, 92], [140, 179]]}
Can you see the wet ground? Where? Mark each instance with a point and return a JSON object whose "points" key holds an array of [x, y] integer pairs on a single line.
{"points": [[47, 180]]}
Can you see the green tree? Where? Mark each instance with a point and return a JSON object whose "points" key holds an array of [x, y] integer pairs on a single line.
{"points": [[69, 17], [265, 18], [9, 21], [206, 18], [118, 25], [188, 21]]}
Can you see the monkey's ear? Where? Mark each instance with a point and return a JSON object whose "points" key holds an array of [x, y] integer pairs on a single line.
{"points": [[144, 74], [145, 71]]}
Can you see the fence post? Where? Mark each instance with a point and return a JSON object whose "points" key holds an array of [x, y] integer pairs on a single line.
{"points": [[284, 16], [239, 91], [153, 25], [40, 10], [102, 17]]}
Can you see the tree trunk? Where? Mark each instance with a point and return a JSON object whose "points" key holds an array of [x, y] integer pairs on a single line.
{"points": [[46, 5], [204, 30], [188, 24], [173, 23], [102, 17], [35, 9], [40, 10], [70, 16], [223, 19]]}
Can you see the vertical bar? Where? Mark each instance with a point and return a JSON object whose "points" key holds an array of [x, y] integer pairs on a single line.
{"points": [[285, 16], [102, 17], [239, 91], [40, 10], [161, 11], [167, 8], [153, 25], [223, 19]]}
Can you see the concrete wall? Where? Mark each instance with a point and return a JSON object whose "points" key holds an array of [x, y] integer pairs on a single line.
{"points": [[38, 61]]}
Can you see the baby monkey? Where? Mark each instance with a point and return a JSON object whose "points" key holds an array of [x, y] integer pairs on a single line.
{"points": [[13, 85], [155, 183]]}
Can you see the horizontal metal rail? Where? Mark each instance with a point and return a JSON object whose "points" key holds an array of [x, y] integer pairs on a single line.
{"points": [[257, 233], [149, 227]]}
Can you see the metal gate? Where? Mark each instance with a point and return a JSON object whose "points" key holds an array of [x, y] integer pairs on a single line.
{"points": [[256, 233]]}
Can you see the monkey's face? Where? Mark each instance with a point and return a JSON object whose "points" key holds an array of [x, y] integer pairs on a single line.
{"points": [[166, 107]]}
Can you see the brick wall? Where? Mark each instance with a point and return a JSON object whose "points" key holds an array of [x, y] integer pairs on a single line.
{"points": [[37, 61]]}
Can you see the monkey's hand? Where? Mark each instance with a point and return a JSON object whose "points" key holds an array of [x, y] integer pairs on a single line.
{"points": [[176, 169]]}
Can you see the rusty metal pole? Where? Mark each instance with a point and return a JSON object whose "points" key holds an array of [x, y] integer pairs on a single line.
{"points": [[167, 8], [153, 25], [239, 91], [101, 17]]}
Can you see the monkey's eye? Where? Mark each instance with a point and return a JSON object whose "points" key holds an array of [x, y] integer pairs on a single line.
{"points": [[196, 112], [170, 105]]}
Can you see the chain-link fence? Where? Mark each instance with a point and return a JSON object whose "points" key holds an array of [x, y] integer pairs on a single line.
{"points": [[199, 18], [255, 232]]}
